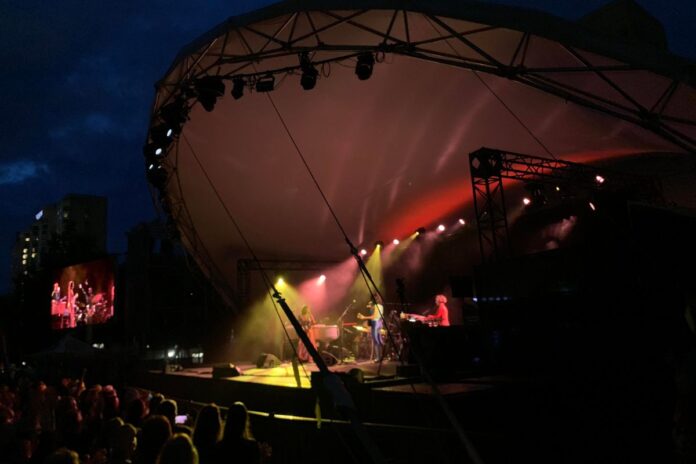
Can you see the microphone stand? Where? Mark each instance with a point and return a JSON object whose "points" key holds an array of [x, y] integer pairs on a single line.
{"points": [[340, 327]]}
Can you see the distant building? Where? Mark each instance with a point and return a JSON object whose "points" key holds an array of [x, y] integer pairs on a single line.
{"points": [[74, 227]]}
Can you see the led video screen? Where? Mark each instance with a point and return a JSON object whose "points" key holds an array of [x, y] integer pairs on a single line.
{"points": [[83, 294]]}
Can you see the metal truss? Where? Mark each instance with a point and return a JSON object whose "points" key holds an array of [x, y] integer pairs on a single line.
{"points": [[489, 167], [246, 266], [251, 51]]}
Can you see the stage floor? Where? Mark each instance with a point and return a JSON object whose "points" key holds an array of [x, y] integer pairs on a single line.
{"points": [[379, 378]]}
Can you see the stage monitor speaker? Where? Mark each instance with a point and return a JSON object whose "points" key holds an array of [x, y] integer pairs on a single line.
{"points": [[462, 286], [225, 370], [267, 360]]}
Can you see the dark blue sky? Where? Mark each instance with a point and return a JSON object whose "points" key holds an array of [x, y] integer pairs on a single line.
{"points": [[77, 82]]}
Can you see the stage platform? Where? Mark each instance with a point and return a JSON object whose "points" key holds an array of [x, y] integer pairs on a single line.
{"points": [[382, 394]]}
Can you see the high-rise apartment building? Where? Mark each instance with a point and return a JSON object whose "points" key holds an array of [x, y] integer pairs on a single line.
{"points": [[77, 223]]}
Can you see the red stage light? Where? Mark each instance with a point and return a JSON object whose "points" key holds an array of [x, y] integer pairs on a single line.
{"points": [[441, 228]]}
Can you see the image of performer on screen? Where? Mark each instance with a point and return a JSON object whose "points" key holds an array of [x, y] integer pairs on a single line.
{"points": [[55, 295], [376, 322], [441, 314], [306, 320], [71, 300]]}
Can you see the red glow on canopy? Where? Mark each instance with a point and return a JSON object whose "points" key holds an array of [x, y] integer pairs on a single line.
{"points": [[427, 209]]}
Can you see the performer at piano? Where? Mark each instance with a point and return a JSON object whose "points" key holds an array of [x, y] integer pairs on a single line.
{"points": [[376, 322], [306, 320], [441, 314]]}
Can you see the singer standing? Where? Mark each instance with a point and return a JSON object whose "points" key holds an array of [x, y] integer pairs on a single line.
{"points": [[376, 323]]}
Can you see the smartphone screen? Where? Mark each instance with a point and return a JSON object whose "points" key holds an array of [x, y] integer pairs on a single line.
{"points": [[181, 419]]}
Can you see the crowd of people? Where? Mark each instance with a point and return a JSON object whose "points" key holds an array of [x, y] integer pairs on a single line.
{"points": [[72, 424]]}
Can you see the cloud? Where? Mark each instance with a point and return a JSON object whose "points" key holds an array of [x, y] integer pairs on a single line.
{"points": [[18, 171]]}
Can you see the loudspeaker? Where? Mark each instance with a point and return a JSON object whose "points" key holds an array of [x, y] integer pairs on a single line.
{"points": [[267, 360], [225, 370]]}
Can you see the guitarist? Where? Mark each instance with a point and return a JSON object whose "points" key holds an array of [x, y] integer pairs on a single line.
{"points": [[376, 322]]}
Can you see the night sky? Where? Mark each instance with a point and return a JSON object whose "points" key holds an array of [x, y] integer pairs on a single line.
{"points": [[77, 82]]}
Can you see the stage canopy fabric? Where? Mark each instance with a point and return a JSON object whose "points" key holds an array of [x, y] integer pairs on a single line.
{"points": [[391, 152]]}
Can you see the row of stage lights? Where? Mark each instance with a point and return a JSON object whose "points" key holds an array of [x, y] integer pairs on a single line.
{"points": [[207, 90], [321, 280], [537, 197], [379, 244]]}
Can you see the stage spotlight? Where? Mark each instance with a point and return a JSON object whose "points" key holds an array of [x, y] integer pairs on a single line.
{"points": [[363, 252], [592, 206], [174, 115], [162, 135], [379, 244], [558, 189], [396, 241], [238, 85], [462, 222], [526, 201], [420, 231], [265, 83], [321, 279], [599, 179], [363, 68], [152, 150], [156, 175], [208, 90], [309, 72], [441, 228], [280, 281]]}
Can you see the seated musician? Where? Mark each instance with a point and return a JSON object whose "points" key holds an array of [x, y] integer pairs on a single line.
{"points": [[375, 318], [441, 315], [306, 320]]}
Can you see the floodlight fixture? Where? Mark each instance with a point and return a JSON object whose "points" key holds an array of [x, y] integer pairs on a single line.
{"points": [[309, 72], [265, 83], [238, 84], [363, 68], [208, 89]]}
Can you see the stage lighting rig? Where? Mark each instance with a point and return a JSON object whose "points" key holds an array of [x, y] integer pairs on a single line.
{"points": [[309, 72], [420, 231], [161, 136], [363, 68], [238, 85], [208, 89], [174, 115], [156, 174], [265, 83]]}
